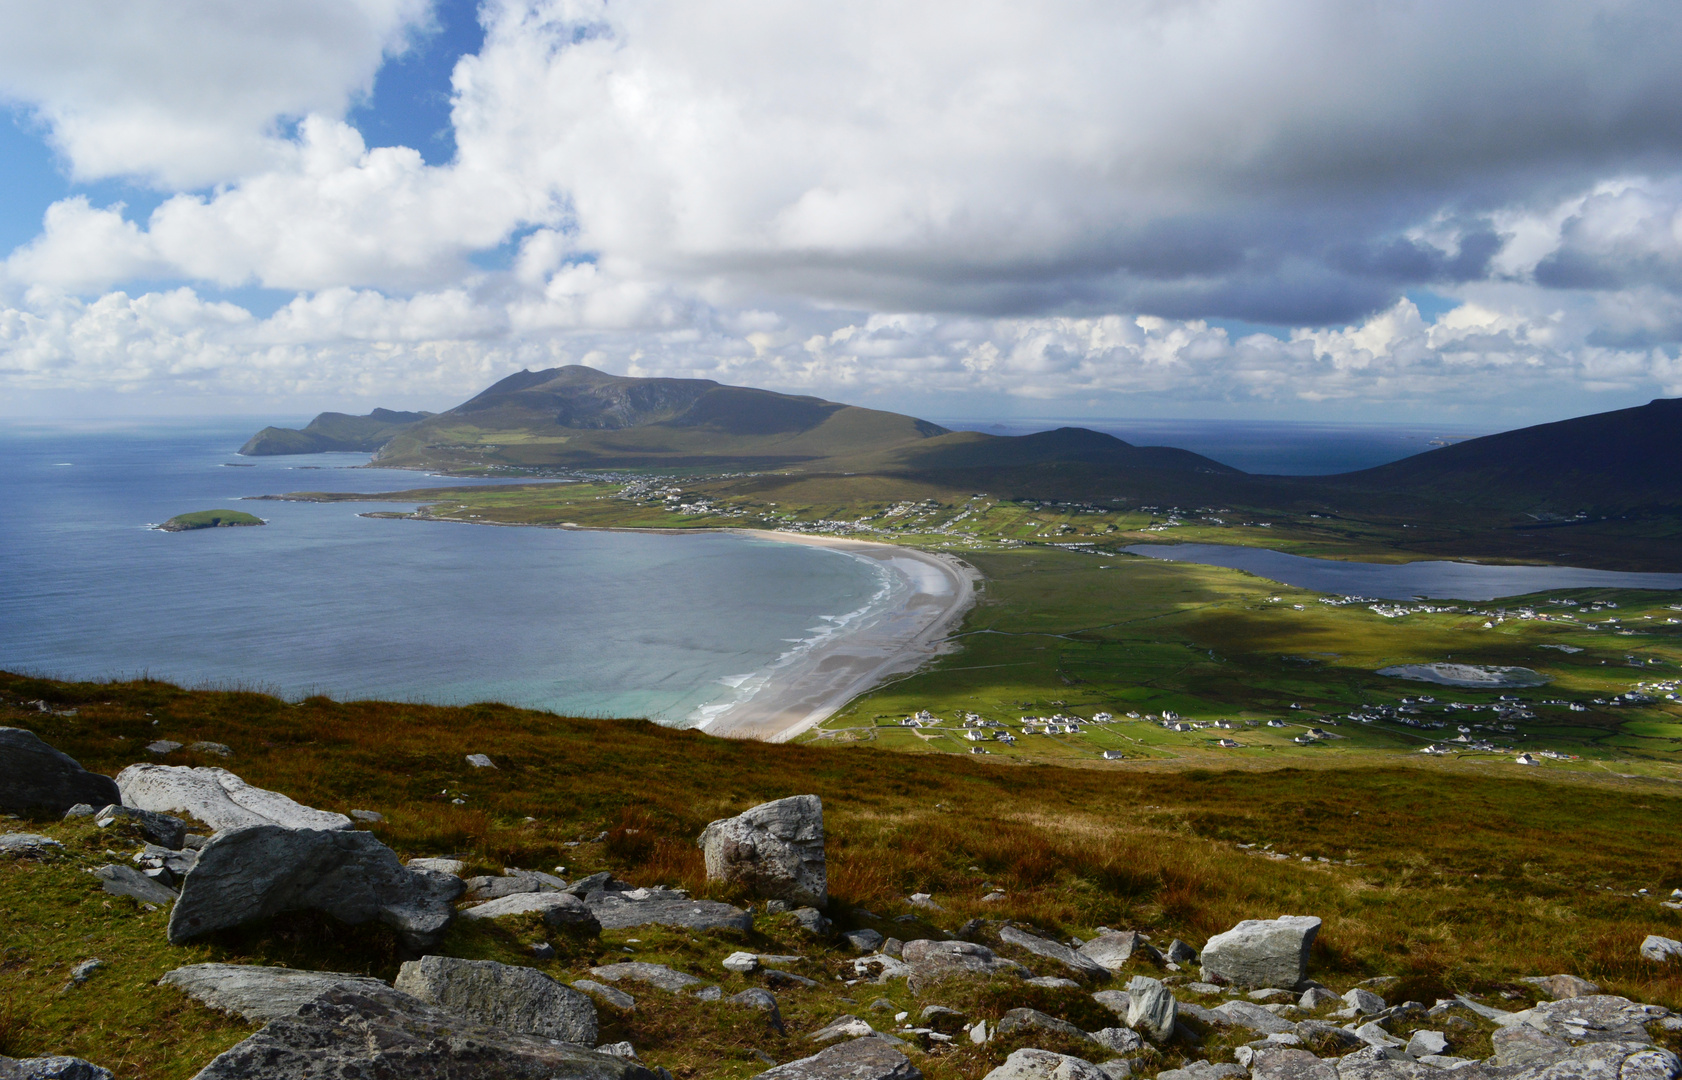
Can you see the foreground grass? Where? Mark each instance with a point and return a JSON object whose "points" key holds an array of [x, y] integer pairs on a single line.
{"points": [[1451, 879]]}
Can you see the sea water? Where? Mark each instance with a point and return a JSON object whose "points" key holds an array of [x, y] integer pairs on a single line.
{"points": [[321, 600]]}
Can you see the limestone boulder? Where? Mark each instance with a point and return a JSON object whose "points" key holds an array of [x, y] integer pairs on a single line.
{"points": [[859, 1059], [518, 999], [618, 910], [259, 871], [51, 1068], [1051, 950], [1661, 950], [1113, 951], [1262, 952], [35, 776], [368, 1032], [1044, 1065], [775, 850], [933, 961], [218, 798], [258, 993], [561, 911], [1151, 1009]]}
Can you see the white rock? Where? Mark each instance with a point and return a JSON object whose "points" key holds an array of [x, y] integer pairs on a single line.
{"points": [[1030, 1064], [1364, 1001], [1151, 1009], [776, 849], [443, 866], [1661, 950], [1262, 952], [480, 761], [741, 962], [1427, 1044], [218, 798]]}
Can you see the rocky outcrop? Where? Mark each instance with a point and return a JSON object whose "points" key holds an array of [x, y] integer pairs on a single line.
{"points": [[1596, 1018], [657, 975], [933, 961], [1027, 1020], [367, 1032], [1262, 952], [561, 911], [1560, 987], [218, 798], [1045, 1065], [664, 907], [1051, 950], [257, 872], [34, 776], [257, 993], [51, 1068], [860, 1059], [512, 882], [518, 999], [775, 850]]}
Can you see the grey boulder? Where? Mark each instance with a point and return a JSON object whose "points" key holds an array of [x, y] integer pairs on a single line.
{"points": [[1051, 950], [933, 961], [1596, 1018], [1560, 987], [561, 911], [664, 907], [218, 798], [617, 998], [512, 882], [120, 880], [1661, 950], [657, 975], [865, 941], [1113, 951], [1204, 1070], [51, 1068], [34, 776], [764, 1001], [1262, 952], [860, 1059], [1427, 1044], [23, 845], [1247, 1014], [1021, 1020], [262, 870], [1045, 1065], [257, 993], [518, 999], [383, 1033], [1364, 1001], [775, 850], [1151, 1009], [161, 829]]}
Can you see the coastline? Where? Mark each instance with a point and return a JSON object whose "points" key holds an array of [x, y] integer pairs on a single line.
{"points": [[805, 688]]}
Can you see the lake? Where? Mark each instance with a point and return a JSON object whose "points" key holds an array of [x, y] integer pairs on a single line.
{"points": [[321, 600], [1403, 581]]}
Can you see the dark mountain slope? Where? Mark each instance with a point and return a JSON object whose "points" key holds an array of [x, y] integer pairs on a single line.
{"points": [[333, 431]]}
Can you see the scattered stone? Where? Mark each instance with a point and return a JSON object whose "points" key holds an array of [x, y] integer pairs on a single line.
{"points": [[942, 1019], [1285, 1063], [893, 946], [1025, 1019], [1364, 1001], [664, 907], [160, 829], [511, 882], [561, 911], [860, 1059], [741, 962], [542, 950], [218, 798], [1044, 1065], [164, 865], [1373, 1033], [219, 749], [480, 761], [163, 747], [1151, 1009], [34, 776], [259, 871], [880, 967], [81, 973], [1118, 1040], [1319, 1033], [1112, 951], [518, 999], [615, 997], [51, 1068], [764, 1001], [1426, 1043], [845, 1026], [656, 975], [364, 1031], [812, 921], [932, 961], [120, 880], [783, 980], [776, 850], [1246, 1014], [1261, 952], [1117, 1068], [442, 866], [924, 900], [1560, 987], [1179, 952], [864, 941], [597, 882], [1051, 950], [978, 1033], [618, 1049], [993, 897], [1271, 995], [81, 809], [1211, 988], [257, 993], [1661, 950], [1204, 1070], [1596, 1018], [372, 817], [1052, 982], [23, 845]]}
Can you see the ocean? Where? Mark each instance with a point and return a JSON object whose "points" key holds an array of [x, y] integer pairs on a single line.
{"points": [[321, 600]]}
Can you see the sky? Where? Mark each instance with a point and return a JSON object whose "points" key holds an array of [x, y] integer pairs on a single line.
{"points": [[1300, 209]]}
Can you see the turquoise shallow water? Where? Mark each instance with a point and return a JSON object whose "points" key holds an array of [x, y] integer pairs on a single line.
{"points": [[323, 601]]}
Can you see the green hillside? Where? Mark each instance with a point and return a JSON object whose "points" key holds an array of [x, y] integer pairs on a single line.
{"points": [[333, 431]]}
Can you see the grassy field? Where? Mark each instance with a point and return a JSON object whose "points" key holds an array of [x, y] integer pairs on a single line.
{"points": [[1449, 874]]}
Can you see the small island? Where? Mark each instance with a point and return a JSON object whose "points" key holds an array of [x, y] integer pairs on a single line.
{"points": [[210, 519]]}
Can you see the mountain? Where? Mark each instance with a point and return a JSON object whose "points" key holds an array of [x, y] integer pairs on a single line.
{"points": [[333, 431], [577, 416], [1617, 462]]}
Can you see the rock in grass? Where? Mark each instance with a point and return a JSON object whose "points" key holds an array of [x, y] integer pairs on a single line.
{"points": [[741, 962], [1051, 950], [258, 993], [864, 941], [934, 961], [562, 911], [845, 1026], [1113, 951], [1427, 1043], [257, 872], [656, 975], [1118, 1040], [1560, 987], [613, 996], [161, 829], [120, 880], [812, 921], [664, 907], [1026, 1020], [1315, 998], [1596, 1018], [1178, 952], [1661, 950], [860, 1059], [1045, 1065], [218, 798], [1262, 952], [1246, 1014], [34, 776], [511, 882], [369, 1032], [518, 999], [1285, 1063], [775, 850], [942, 1019], [764, 1001], [1204, 1070], [442, 865], [51, 1068], [1364, 1001], [23, 845], [1052, 982], [1151, 1008]]}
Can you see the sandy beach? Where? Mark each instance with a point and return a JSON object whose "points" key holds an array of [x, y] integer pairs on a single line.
{"points": [[807, 687]]}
